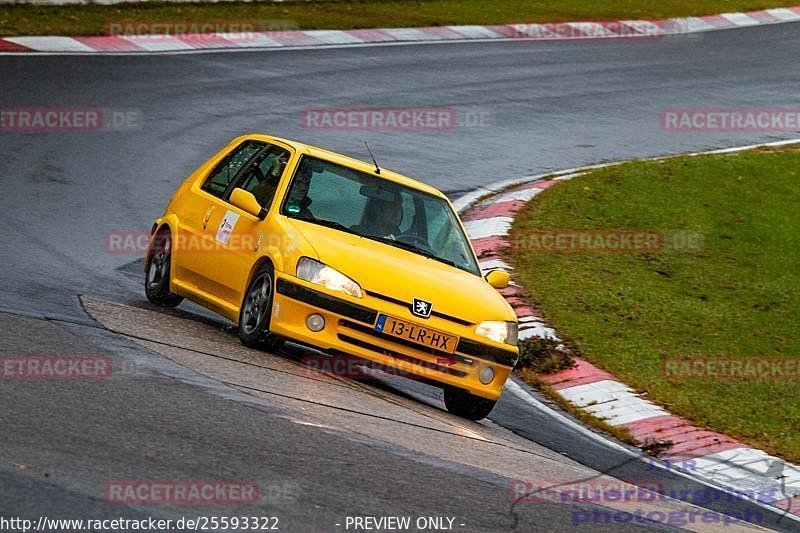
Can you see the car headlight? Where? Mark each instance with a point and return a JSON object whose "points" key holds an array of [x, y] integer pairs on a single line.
{"points": [[498, 331], [321, 274]]}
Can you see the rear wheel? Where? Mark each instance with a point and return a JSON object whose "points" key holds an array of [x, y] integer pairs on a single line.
{"points": [[256, 311], [461, 403], [157, 272]]}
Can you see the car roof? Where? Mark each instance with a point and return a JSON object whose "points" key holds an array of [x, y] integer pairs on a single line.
{"points": [[357, 164]]}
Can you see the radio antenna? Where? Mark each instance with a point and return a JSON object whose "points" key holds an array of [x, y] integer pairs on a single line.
{"points": [[377, 168]]}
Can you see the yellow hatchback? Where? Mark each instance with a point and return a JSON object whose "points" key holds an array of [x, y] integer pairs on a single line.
{"points": [[295, 242]]}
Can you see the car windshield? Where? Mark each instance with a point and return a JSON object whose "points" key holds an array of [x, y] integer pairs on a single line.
{"points": [[355, 202]]}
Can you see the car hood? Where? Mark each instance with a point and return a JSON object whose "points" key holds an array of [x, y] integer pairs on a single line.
{"points": [[402, 275]]}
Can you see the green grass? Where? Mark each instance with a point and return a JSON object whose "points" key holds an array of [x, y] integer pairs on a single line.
{"points": [[737, 295], [90, 19]]}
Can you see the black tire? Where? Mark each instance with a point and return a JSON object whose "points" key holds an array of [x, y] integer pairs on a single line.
{"points": [[466, 405], [157, 272], [256, 311]]}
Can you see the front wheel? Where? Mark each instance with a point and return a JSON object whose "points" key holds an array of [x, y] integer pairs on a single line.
{"points": [[157, 269], [466, 405], [254, 315]]}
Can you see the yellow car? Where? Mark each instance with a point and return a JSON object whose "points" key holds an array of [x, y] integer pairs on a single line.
{"points": [[295, 242]]}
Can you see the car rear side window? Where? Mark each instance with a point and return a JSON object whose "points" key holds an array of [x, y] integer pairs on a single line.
{"points": [[263, 173], [226, 170]]}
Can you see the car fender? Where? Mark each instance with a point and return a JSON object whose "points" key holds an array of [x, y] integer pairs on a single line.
{"points": [[170, 222], [271, 255]]}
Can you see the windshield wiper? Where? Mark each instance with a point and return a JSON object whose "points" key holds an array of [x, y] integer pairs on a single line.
{"points": [[413, 248], [327, 223]]}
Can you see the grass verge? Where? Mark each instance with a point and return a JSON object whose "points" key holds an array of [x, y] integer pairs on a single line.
{"points": [[347, 14], [734, 296]]}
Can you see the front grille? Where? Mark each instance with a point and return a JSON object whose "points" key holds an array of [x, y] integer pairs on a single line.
{"points": [[408, 306], [391, 338], [403, 357]]}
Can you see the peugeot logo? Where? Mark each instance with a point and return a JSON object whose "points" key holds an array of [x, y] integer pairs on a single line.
{"points": [[421, 308]]}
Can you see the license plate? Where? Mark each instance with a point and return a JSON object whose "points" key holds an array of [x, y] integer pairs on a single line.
{"points": [[416, 333]]}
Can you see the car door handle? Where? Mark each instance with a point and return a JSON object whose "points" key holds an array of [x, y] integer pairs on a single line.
{"points": [[208, 216]]}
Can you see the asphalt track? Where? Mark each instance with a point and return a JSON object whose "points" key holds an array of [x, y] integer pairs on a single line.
{"points": [[544, 106]]}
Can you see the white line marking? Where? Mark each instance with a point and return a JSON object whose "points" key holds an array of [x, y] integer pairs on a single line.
{"points": [[783, 14], [476, 32], [160, 44], [531, 31], [492, 264], [488, 227], [591, 30], [740, 19], [255, 40], [54, 44], [411, 34], [612, 401], [333, 37], [644, 28], [748, 469], [689, 25], [538, 330], [521, 194], [617, 413]]}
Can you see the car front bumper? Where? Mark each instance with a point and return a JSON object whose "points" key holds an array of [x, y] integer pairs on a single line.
{"points": [[350, 330]]}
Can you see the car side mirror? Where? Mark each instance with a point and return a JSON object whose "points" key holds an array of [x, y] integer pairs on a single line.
{"points": [[498, 278], [247, 202]]}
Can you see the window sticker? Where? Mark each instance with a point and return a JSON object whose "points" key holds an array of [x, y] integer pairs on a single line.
{"points": [[226, 227]]}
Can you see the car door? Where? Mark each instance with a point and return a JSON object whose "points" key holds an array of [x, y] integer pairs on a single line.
{"points": [[237, 236], [202, 201]]}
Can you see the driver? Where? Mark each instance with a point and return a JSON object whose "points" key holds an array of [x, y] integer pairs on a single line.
{"points": [[298, 201], [382, 218]]}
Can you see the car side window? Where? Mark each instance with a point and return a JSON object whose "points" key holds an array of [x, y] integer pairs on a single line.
{"points": [[222, 175], [263, 173]]}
